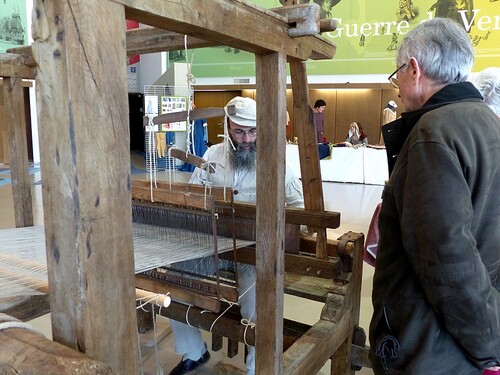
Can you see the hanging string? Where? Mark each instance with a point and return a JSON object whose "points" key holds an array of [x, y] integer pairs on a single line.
{"points": [[190, 81], [247, 322], [152, 156], [159, 370], [190, 133], [187, 316], [231, 304], [215, 167], [227, 142], [208, 190], [209, 167], [155, 300], [169, 153]]}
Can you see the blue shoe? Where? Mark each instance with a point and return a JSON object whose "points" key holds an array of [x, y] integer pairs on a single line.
{"points": [[185, 366]]}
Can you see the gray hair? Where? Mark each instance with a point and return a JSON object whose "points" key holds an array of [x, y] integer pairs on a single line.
{"points": [[487, 82], [442, 48]]}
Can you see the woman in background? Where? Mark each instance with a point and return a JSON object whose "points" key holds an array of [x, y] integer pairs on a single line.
{"points": [[356, 135]]}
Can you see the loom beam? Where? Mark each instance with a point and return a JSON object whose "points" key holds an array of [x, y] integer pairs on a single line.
{"points": [[194, 114], [25, 308], [190, 159], [228, 324], [23, 351]]}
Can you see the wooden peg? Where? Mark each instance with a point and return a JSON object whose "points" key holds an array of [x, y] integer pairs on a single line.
{"points": [[304, 19]]}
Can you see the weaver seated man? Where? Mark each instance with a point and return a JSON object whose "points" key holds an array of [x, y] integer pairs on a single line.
{"points": [[235, 159]]}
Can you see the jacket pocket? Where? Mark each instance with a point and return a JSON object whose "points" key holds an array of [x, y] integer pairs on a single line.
{"points": [[386, 345]]}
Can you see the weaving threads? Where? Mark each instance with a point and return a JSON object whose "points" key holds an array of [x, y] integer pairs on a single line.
{"points": [[153, 247]]}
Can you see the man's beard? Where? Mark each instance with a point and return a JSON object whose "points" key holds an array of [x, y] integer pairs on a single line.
{"points": [[243, 158]]}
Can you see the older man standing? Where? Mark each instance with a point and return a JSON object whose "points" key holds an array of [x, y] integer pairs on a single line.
{"points": [[436, 289]]}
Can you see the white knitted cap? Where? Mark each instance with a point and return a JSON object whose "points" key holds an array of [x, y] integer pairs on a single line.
{"points": [[245, 111]]}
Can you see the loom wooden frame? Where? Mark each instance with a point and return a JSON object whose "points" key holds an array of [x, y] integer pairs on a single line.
{"points": [[78, 47]]}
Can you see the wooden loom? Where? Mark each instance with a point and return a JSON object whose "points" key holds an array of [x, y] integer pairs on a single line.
{"points": [[81, 98], [329, 281]]}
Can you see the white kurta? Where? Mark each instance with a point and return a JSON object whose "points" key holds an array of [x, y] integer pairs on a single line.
{"points": [[243, 182], [188, 340]]}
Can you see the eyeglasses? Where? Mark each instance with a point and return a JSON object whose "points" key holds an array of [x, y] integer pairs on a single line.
{"points": [[239, 133], [393, 78]]}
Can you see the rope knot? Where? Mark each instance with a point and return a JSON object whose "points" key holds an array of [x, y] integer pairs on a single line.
{"points": [[247, 323]]}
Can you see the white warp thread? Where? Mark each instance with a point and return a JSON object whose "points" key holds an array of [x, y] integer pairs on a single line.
{"points": [[153, 247]]}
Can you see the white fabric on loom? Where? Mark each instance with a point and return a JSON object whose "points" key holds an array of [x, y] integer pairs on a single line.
{"points": [[153, 247]]}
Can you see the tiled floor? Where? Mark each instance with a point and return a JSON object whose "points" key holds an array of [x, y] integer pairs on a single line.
{"points": [[355, 202]]}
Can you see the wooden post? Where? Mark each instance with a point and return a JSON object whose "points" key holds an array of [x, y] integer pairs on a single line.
{"points": [[270, 210], [308, 149], [81, 86], [15, 122], [341, 360]]}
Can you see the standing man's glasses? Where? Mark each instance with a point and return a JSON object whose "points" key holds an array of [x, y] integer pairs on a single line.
{"points": [[393, 78]]}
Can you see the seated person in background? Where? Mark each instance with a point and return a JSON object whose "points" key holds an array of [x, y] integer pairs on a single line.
{"points": [[487, 82], [235, 158], [356, 135]]}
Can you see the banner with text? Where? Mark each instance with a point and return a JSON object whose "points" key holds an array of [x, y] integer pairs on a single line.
{"points": [[367, 36]]}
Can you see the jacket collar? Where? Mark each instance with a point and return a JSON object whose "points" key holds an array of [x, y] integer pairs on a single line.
{"points": [[396, 132]]}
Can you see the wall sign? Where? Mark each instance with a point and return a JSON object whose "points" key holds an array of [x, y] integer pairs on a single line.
{"points": [[368, 34]]}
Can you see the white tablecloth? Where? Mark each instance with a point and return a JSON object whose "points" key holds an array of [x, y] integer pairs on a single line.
{"points": [[362, 165]]}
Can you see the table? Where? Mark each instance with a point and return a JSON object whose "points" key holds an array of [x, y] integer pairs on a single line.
{"points": [[363, 165]]}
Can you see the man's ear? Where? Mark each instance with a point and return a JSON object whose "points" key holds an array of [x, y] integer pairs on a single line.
{"points": [[416, 72]]}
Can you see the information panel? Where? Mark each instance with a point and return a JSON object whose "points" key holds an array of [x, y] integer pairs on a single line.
{"points": [[368, 35]]}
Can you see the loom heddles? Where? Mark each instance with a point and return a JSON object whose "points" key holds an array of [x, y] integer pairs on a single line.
{"points": [[190, 231], [161, 237]]}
